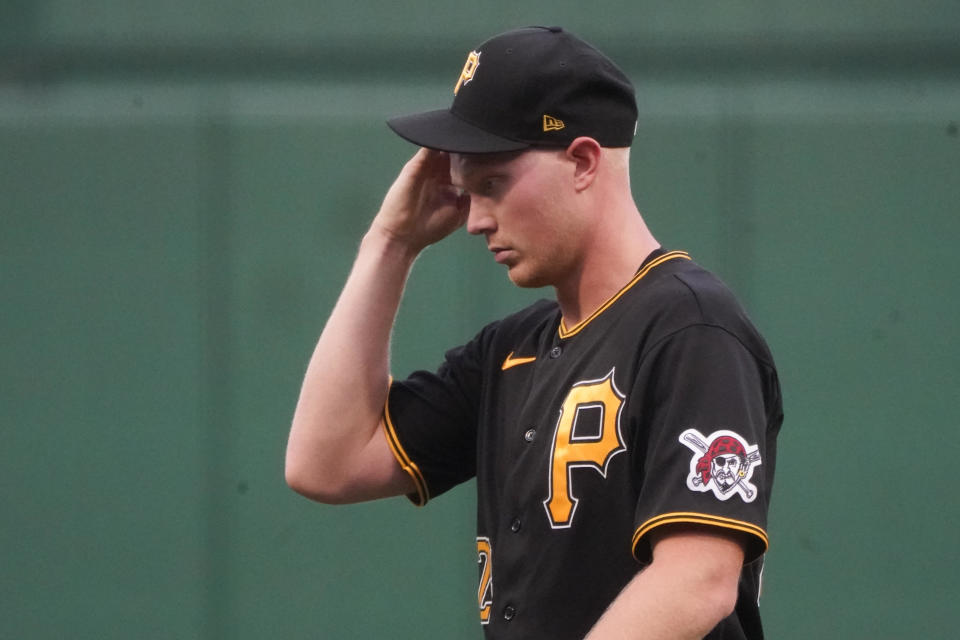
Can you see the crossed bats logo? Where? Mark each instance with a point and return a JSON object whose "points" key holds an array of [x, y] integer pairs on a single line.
{"points": [[724, 466]]}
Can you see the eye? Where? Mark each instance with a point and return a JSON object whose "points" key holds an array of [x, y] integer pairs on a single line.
{"points": [[489, 186]]}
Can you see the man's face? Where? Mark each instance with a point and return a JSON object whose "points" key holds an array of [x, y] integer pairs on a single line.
{"points": [[520, 202], [726, 470]]}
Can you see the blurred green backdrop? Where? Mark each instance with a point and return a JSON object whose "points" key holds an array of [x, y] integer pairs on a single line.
{"points": [[182, 189]]}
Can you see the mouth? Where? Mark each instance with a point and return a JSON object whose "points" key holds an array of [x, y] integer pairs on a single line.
{"points": [[501, 254]]}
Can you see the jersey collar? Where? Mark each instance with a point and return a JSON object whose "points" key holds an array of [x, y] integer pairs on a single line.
{"points": [[655, 259]]}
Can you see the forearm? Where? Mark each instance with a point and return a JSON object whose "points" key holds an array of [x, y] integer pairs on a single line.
{"points": [[690, 586], [345, 385], [335, 453], [655, 607]]}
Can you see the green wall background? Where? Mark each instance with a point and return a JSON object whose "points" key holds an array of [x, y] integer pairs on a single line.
{"points": [[182, 189]]}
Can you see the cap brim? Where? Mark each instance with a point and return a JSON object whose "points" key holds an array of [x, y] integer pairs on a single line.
{"points": [[444, 131]]}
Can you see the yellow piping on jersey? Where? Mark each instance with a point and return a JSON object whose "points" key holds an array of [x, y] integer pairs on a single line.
{"points": [[673, 255], [700, 518], [408, 465]]}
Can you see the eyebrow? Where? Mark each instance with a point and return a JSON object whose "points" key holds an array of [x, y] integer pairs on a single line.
{"points": [[476, 161], [477, 166]]}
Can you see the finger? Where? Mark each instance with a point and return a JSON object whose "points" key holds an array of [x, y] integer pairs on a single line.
{"points": [[437, 165], [463, 203]]}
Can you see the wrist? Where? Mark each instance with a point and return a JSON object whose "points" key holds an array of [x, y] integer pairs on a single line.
{"points": [[389, 245]]}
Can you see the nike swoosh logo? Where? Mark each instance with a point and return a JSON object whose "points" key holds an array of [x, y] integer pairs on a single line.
{"points": [[513, 362]]}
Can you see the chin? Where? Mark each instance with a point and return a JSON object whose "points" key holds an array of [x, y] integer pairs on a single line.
{"points": [[527, 278]]}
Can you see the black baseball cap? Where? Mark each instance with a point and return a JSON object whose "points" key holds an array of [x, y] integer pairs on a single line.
{"points": [[531, 87]]}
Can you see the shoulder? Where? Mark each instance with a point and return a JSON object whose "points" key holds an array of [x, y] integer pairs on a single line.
{"points": [[540, 312], [705, 297], [682, 295], [524, 326], [682, 292]]}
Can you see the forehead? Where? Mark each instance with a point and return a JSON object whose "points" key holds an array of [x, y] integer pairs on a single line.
{"points": [[465, 164]]}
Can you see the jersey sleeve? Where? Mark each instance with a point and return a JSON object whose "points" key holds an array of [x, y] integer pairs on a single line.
{"points": [[431, 421], [709, 450]]}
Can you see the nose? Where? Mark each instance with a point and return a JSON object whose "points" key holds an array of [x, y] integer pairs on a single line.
{"points": [[480, 219]]}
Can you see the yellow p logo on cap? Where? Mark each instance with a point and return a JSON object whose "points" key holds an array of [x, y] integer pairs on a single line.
{"points": [[469, 69]]}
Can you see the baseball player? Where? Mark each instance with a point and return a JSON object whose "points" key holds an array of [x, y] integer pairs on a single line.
{"points": [[622, 435]]}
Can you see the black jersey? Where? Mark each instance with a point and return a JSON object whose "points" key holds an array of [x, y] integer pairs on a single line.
{"points": [[661, 407]]}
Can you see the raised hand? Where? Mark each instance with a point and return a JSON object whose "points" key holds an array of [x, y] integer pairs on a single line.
{"points": [[422, 206]]}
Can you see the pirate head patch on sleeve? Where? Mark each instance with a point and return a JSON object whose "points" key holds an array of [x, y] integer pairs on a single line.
{"points": [[722, 462]]}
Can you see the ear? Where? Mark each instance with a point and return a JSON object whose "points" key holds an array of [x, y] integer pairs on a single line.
{"points": [[585, 153]]}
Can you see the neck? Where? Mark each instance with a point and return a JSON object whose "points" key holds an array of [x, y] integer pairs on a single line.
{"points": [[610, 260]]}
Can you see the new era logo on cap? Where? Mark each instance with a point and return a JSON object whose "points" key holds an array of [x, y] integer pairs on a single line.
{"points": [[552, 124], [532, 87]]}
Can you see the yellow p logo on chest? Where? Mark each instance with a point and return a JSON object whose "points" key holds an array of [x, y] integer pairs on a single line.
{"points": [[571, 451]]}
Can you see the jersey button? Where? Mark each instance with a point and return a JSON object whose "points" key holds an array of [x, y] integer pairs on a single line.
{"points": [[555, 352], [509, 612], [530, 434], [515, 525]]}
